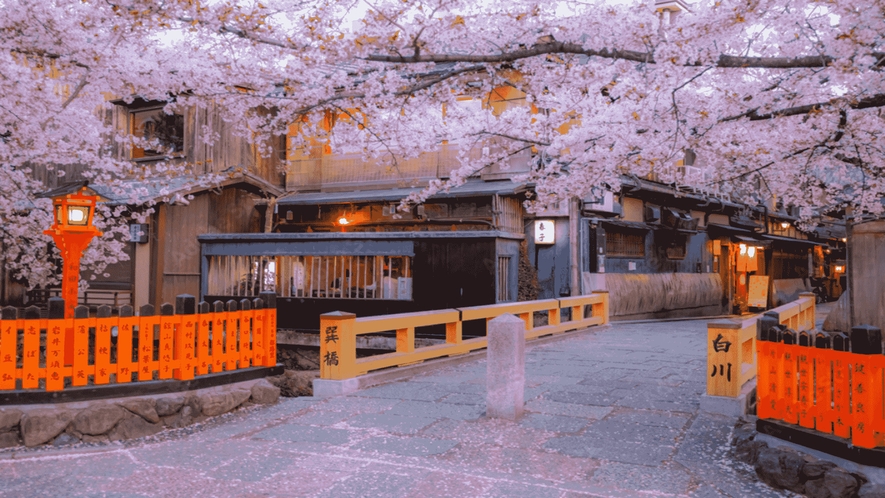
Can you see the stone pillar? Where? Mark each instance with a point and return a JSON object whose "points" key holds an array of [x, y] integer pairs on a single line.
{"points": [[505, 376], [866, 274]]}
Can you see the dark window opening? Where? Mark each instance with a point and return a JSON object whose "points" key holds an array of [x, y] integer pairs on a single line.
{"points": [[165, 131], [624, 244]]}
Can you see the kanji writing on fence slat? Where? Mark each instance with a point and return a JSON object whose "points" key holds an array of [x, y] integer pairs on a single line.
{"points": [[103, 349], [55, 344], [8, 353]]}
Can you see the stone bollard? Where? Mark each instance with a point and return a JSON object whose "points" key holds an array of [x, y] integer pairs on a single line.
{"points": [[505, 377]]}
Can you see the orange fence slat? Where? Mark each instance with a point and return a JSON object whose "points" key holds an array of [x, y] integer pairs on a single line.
{"points": [[203, 341], [218, 356], [55, 347], [167, 339], [31, 352], [146, 327], [271, 338], [185, 333], [805, 397], [766, 384], [862, 374], [878, 407], [823, 412], [790, 393], [124, 349], [232, 351], [841, 389], [81, 369], [245, 342], [103, 349], [258, 348], [8, 353]]}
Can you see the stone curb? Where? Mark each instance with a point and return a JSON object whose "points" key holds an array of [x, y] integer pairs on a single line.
{"points": [[799, 472], [109, 420]]}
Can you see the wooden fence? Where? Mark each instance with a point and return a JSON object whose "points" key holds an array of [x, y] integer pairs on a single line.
{"points": [[339, 330], [179, 343], [731, 344], [831, 383]]}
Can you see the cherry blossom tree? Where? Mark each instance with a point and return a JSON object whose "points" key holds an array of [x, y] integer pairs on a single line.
{"points": [[775, 97]]}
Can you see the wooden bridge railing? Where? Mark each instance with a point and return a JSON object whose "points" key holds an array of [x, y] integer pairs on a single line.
{"points": [[731, 344], [179, 343], [338, 331]]}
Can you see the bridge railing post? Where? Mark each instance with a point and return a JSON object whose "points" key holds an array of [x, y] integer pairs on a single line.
{"points": [[337, 345]]}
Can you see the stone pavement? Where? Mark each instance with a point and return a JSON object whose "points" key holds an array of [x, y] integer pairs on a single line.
{"points": [[610, 412]]}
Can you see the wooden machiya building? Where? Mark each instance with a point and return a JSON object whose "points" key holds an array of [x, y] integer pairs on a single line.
{"points": [[353, 251], [661, 251]]}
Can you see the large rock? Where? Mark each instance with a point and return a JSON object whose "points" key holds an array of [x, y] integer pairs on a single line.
{"points": [[9, 418], [169, 405], [133, 427], [40, 426], [265, 393], [781, 469], [223, 402], [98, 419], [815, 469], [836, 483], [144, 408], [295, 382], [870, 490], [9, 439]]}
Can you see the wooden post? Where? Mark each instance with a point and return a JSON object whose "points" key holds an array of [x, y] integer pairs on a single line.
{"points": [[338, 345], [603, 309], [805, 361], [723, 358]]}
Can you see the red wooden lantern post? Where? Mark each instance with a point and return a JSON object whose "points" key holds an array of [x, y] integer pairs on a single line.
{"points": [[72, 232]]}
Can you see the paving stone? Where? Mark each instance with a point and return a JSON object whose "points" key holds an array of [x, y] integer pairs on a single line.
{"points": [[372, 484], [553, 423], [465, 399], [255, 466], [595, 399], [295, 433], [402, 390], [412, 446], [641, 477], [619, 451], [437, 410], [397, 424], [544, 405]]}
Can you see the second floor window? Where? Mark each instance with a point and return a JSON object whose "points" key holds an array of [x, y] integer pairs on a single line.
{"points": [[164, 131]]}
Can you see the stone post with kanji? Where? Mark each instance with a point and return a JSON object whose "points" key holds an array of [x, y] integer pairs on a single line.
{"points": [[337, 345]]}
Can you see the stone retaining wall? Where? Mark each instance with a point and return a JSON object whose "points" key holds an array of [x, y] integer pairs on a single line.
{"points": [[125, 418], [784, 468]]}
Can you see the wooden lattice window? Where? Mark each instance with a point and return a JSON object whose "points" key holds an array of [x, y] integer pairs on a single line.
{"points": [[625, 244]]}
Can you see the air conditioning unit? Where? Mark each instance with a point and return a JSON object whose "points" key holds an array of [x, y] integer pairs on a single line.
{"points": [[652, 214], [605, 204]]}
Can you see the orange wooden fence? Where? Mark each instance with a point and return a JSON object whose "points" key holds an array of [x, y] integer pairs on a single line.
{"points": [[831, 383], [179, 343]]}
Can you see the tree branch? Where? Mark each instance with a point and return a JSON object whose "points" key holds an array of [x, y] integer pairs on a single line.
{"points": [[555, 47]]}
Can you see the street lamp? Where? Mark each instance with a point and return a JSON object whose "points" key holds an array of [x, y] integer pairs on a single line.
{"points": [[72, 230]]}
